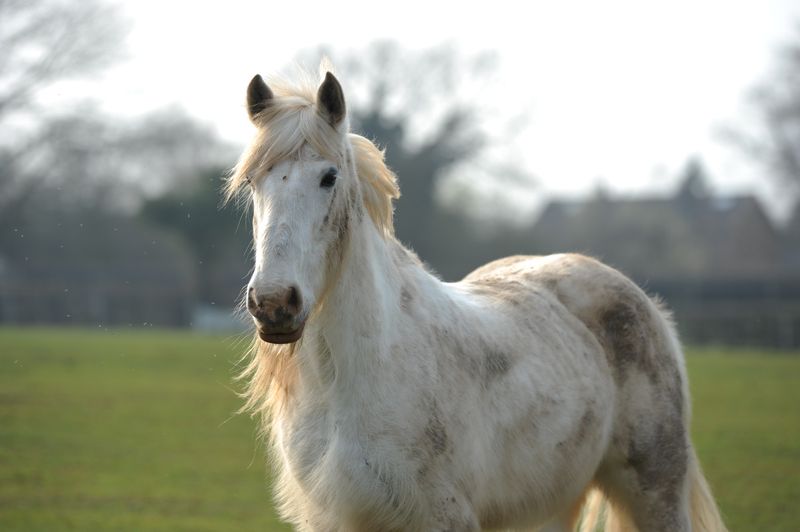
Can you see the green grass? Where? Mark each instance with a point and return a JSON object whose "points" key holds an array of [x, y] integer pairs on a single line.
{"points": [[112, 430], [746, 428], [126, 431]]}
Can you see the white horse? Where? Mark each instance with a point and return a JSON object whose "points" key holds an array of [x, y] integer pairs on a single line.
{"points": [[538, 392]]}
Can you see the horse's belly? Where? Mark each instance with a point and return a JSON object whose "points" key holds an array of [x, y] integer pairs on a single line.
{"points": [[539, 460], [537, 486], [531, 480]]}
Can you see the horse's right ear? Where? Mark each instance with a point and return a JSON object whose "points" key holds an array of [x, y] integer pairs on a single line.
{"points": [[258, 96]]}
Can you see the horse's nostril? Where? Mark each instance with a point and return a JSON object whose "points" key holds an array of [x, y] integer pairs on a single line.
{"points": [[252, 304], [293, 301]]}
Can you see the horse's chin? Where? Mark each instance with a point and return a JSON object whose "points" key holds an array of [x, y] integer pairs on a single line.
{"points": [[281, 338]]}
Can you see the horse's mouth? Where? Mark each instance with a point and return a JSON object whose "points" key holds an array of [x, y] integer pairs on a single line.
{"points": [[281, 337]]}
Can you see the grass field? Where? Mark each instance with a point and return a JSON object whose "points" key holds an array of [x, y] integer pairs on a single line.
{"points": [[111, 430]]}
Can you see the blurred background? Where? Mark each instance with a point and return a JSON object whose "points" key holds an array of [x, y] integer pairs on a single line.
{"points": [[662, 138]]}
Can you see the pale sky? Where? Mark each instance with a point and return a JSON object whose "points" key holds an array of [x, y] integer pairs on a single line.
{"points": [[619, 91]]}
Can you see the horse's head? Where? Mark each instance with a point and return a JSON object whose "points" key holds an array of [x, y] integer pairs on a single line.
{"points": [[305, 195]]}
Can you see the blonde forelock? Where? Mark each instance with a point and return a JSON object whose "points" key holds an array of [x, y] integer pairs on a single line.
{"points": [[292, 120]]}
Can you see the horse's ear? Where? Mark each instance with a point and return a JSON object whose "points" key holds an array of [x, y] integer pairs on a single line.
{"points": [[330, 100], [258, 96]]}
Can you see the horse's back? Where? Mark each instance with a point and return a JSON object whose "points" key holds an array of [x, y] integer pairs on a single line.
{"points": [[624, 320]]}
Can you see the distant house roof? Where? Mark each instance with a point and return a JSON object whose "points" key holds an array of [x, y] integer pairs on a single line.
{"points": [[688, 235]]}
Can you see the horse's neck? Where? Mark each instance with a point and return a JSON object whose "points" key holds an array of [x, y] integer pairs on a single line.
{"points": [[351, 330]]}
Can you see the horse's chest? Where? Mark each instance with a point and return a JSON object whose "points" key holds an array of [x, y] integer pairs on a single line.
{"points": [[318, 447], [345, 474], [304, 442]]}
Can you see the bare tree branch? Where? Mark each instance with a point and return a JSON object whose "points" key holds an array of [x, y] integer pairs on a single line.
{"points": [[46, 41], [43, 42], [775, 138]]}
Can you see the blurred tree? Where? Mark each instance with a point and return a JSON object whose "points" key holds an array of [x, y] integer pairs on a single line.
{"points": [[71, 178], [402, 86], [218, 237], [95, 161], [78, 157], [88, 160], [426, 108], [694, 181], [44, 42], [775, 140]]}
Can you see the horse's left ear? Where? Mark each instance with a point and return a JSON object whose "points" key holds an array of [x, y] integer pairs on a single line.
{"points": [[330, 100]]}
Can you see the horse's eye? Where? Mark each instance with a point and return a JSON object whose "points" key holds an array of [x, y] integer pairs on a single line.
{"points": [[329, 179]]}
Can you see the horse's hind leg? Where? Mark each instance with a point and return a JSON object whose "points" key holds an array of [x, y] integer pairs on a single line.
{"points": [[651, 480], [664, 510]]}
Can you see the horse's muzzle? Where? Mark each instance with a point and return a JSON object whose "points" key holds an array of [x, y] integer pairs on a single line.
{"points": [[277, 315]]}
